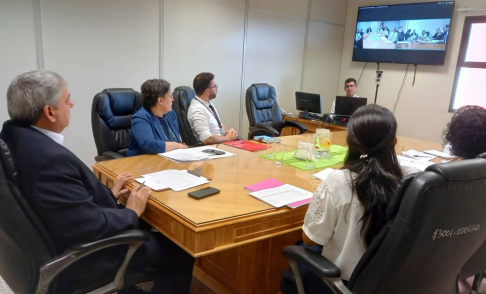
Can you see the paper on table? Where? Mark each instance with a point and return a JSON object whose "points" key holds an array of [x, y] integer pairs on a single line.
{"points": [[267, 184], [282, 195], [418, 155], [440, 154], [323, 174], [177, 180], [153, 183], [418, 164], [193, 154]]}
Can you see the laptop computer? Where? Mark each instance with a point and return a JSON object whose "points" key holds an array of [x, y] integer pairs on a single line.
{"points": [[348, 105]]}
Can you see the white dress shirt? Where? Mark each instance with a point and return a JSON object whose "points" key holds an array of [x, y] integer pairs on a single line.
{"points": [[202, 120], [58, 138]]}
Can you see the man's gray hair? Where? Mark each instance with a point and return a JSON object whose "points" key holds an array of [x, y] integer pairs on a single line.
{"points": [[30, 92]]}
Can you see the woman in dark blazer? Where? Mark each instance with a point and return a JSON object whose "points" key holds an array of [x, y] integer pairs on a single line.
{"points": [[154, 126]]}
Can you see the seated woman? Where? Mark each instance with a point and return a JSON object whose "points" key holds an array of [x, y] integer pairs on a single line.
{"points": [[348, 209], [466, 133], [154, 126]]}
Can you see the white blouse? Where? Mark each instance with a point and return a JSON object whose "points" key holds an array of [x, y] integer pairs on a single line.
{"points": [[332, 220]]}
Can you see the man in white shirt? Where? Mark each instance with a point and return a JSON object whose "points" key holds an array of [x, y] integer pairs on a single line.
{"points": [[203, 116], [350, 86], [393, 36]]}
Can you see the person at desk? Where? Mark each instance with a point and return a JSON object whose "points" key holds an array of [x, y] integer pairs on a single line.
{"points": [[203, 116], [425, 36], [350, 86], [414, 35], [466, 132], [348, 209], [401, 36], [445, 35], [393, 36], [154, 126], [437, 35], [74, 206], [369, 30]]}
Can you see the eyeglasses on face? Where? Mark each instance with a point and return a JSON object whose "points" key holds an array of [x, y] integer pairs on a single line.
{"points": [[215, 86]]}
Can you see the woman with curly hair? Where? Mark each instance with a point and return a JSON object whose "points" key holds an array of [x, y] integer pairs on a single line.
{"points": [[466, 133]]}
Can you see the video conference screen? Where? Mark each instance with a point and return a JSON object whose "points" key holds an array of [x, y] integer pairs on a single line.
{"points": [[403, 33]]}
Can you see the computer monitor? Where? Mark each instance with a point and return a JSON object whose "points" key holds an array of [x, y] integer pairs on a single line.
{"points": [[348, 105], [308, 102]]}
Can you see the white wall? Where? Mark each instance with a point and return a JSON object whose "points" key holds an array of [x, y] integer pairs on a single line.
{"points": [[422, 111], [98, 44]]}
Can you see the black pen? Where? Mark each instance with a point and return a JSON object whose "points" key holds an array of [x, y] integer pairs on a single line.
{"points": [[141, 186]]}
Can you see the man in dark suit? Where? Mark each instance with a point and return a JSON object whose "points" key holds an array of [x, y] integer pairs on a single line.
{"points": [[68, 198]]}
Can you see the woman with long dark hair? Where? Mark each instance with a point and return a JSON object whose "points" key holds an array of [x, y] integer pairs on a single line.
{"points": [[348, 209]]}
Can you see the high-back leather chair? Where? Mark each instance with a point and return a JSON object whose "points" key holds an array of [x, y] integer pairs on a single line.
{"points": [[111, 121], [436, 223], [476, 265], [29, 262], [264, 114], [183, 96]]}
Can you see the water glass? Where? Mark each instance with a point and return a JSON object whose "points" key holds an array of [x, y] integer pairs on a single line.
{"points": [[270, 152], [279, 154], [322, 143]]}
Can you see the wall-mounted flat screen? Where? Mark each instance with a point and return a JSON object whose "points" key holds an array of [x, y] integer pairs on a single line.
{"points": [[404, 33]]}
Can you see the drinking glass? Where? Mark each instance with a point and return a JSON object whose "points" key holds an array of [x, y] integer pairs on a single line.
{"points": [[322, 143], [309, 163], [279, 154], [270, 152]]}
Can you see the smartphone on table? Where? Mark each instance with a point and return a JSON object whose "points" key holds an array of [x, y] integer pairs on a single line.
{"points": [[205, 192]]}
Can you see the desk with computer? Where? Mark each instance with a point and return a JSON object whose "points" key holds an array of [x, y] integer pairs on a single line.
{"points": [[310, 106]]}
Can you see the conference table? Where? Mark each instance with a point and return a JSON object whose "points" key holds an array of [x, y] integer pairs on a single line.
{"points": [[235, 237]]}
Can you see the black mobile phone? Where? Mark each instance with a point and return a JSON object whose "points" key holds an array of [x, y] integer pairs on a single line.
{"points": [[213, 152], [198, 194]]}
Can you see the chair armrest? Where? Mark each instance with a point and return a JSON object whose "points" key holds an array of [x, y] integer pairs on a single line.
{"points": [[292, 123], [112, 155], [50, 269], [261, 129], [318, 264]]}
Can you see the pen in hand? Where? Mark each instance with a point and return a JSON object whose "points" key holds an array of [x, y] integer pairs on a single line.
{"points": [[141, 186]]}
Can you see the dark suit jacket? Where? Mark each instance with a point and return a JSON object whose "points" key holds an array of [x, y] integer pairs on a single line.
{"points": [[147, 136], [70, 201]]}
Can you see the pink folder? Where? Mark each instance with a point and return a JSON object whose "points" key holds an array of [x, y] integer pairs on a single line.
{"points": [[267, 184]]}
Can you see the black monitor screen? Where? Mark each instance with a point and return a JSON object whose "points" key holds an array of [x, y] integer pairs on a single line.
{"points": [[308, 102], [404, 33]]}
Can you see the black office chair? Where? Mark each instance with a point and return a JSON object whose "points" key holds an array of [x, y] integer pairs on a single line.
{"points": [[264, 114], [183, 96], [476, 265], [29, 262], [111, 121], [436, 223]]}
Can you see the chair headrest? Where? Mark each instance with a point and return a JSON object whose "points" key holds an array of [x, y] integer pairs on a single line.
{"points": [[116, 107], [463, 170], [262, 91], [183, 96], [482, 155], [7, 162]]}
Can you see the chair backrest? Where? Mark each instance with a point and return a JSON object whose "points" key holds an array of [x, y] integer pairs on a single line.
{"points": [[477, 263], [439, 224], [24, 242], [183, 96], [111, 118], [262, 106]]}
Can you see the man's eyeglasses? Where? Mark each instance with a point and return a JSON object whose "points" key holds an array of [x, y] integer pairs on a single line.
{"points": [[215, 86], [349, 86]]}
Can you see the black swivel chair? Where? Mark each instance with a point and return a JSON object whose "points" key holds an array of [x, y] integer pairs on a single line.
{"points": [[29, 262], [183, 96], [436, 223], [264, 114], [111, 121], [476, 265]]}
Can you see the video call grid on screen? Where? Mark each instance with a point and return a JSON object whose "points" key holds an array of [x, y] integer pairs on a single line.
{"points": [[427, 46]]}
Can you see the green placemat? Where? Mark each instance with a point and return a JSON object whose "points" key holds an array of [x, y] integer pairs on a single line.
{"points": [[338, 154]]}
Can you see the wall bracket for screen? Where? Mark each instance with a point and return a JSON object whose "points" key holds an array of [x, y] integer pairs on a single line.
{"points": [[378, 80]]}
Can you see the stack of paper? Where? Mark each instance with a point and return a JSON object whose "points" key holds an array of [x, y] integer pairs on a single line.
{"points": [[418, 155], [418, 164], [176, 180], [440, 154], [194, 154], [323, 174], [282, 195]]}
